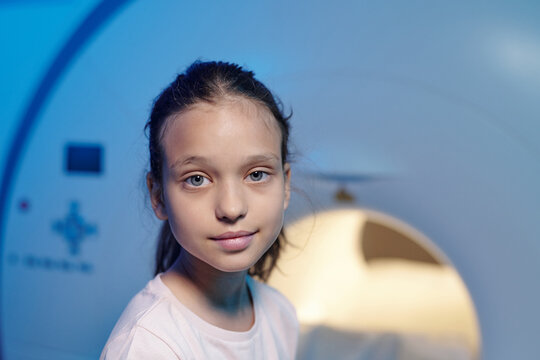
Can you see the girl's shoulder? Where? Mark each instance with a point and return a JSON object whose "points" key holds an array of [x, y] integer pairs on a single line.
{"points": [[276, 317], [142, 305], [135, 334], [146, 320]]}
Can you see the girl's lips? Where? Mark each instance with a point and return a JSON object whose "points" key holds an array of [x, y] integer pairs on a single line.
{"points": [[233, 235], [234, 241]]}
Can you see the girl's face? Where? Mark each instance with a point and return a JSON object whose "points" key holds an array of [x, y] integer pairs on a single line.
{"points": [[224, 186]]}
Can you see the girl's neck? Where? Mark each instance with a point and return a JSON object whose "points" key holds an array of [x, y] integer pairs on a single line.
{"points": [[218, 297]]}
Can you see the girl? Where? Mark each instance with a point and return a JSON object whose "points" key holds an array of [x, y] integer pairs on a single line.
{"points": [[220, 182]]}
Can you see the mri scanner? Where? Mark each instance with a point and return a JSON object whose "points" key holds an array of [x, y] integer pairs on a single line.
{"points": [[420, 118]]}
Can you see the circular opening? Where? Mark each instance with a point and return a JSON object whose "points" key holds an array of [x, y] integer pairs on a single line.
{"points": [[368, 285]]}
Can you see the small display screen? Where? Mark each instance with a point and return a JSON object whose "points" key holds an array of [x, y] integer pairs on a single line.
{"points": [[84, 158]]}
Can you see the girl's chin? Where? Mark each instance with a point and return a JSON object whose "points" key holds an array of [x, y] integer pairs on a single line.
{"points": [[229, 262], [232, 268]]}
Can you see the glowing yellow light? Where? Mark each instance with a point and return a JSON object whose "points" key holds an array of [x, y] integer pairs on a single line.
{"points": [[325, 276]]}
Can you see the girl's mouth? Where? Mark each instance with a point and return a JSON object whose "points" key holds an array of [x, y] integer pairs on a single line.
{"points": [[234, 241], [233, 235]]}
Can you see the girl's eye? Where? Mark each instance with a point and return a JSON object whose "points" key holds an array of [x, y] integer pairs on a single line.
{"points": [[258, 175], [197, 180]]}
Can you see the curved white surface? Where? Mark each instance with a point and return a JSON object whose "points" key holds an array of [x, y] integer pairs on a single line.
{"points": [[439, 101]]}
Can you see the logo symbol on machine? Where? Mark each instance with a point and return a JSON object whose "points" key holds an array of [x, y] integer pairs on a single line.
{"points": [[74, 228]]}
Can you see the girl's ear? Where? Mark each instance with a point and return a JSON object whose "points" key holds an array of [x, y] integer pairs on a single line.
{"points": [[287, 174], [156, 197]]}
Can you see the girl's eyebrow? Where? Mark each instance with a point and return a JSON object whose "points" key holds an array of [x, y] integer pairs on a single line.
{"points": [[262, 158], [189, 160]]}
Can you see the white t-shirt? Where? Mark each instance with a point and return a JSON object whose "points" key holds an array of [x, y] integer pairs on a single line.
{"points": [[156, 325]]}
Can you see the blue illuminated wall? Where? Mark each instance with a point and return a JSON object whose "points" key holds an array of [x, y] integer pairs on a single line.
{"points": [[439, 101]]}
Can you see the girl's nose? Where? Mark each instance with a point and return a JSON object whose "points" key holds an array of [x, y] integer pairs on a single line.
{"points": [[231, 204]]}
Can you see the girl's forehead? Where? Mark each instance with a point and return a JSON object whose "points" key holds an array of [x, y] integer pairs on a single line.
{"points": [[225, 127], [252, 109]]}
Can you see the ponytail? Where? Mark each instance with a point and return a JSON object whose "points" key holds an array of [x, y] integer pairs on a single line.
{"points": [[167, 250], [263, 268]]}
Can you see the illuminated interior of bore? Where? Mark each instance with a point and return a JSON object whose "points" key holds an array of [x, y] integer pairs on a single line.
{"points": [[362, 271]]}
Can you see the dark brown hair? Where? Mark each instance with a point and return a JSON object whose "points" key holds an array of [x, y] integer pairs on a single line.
{"points": [[209, 82]]}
